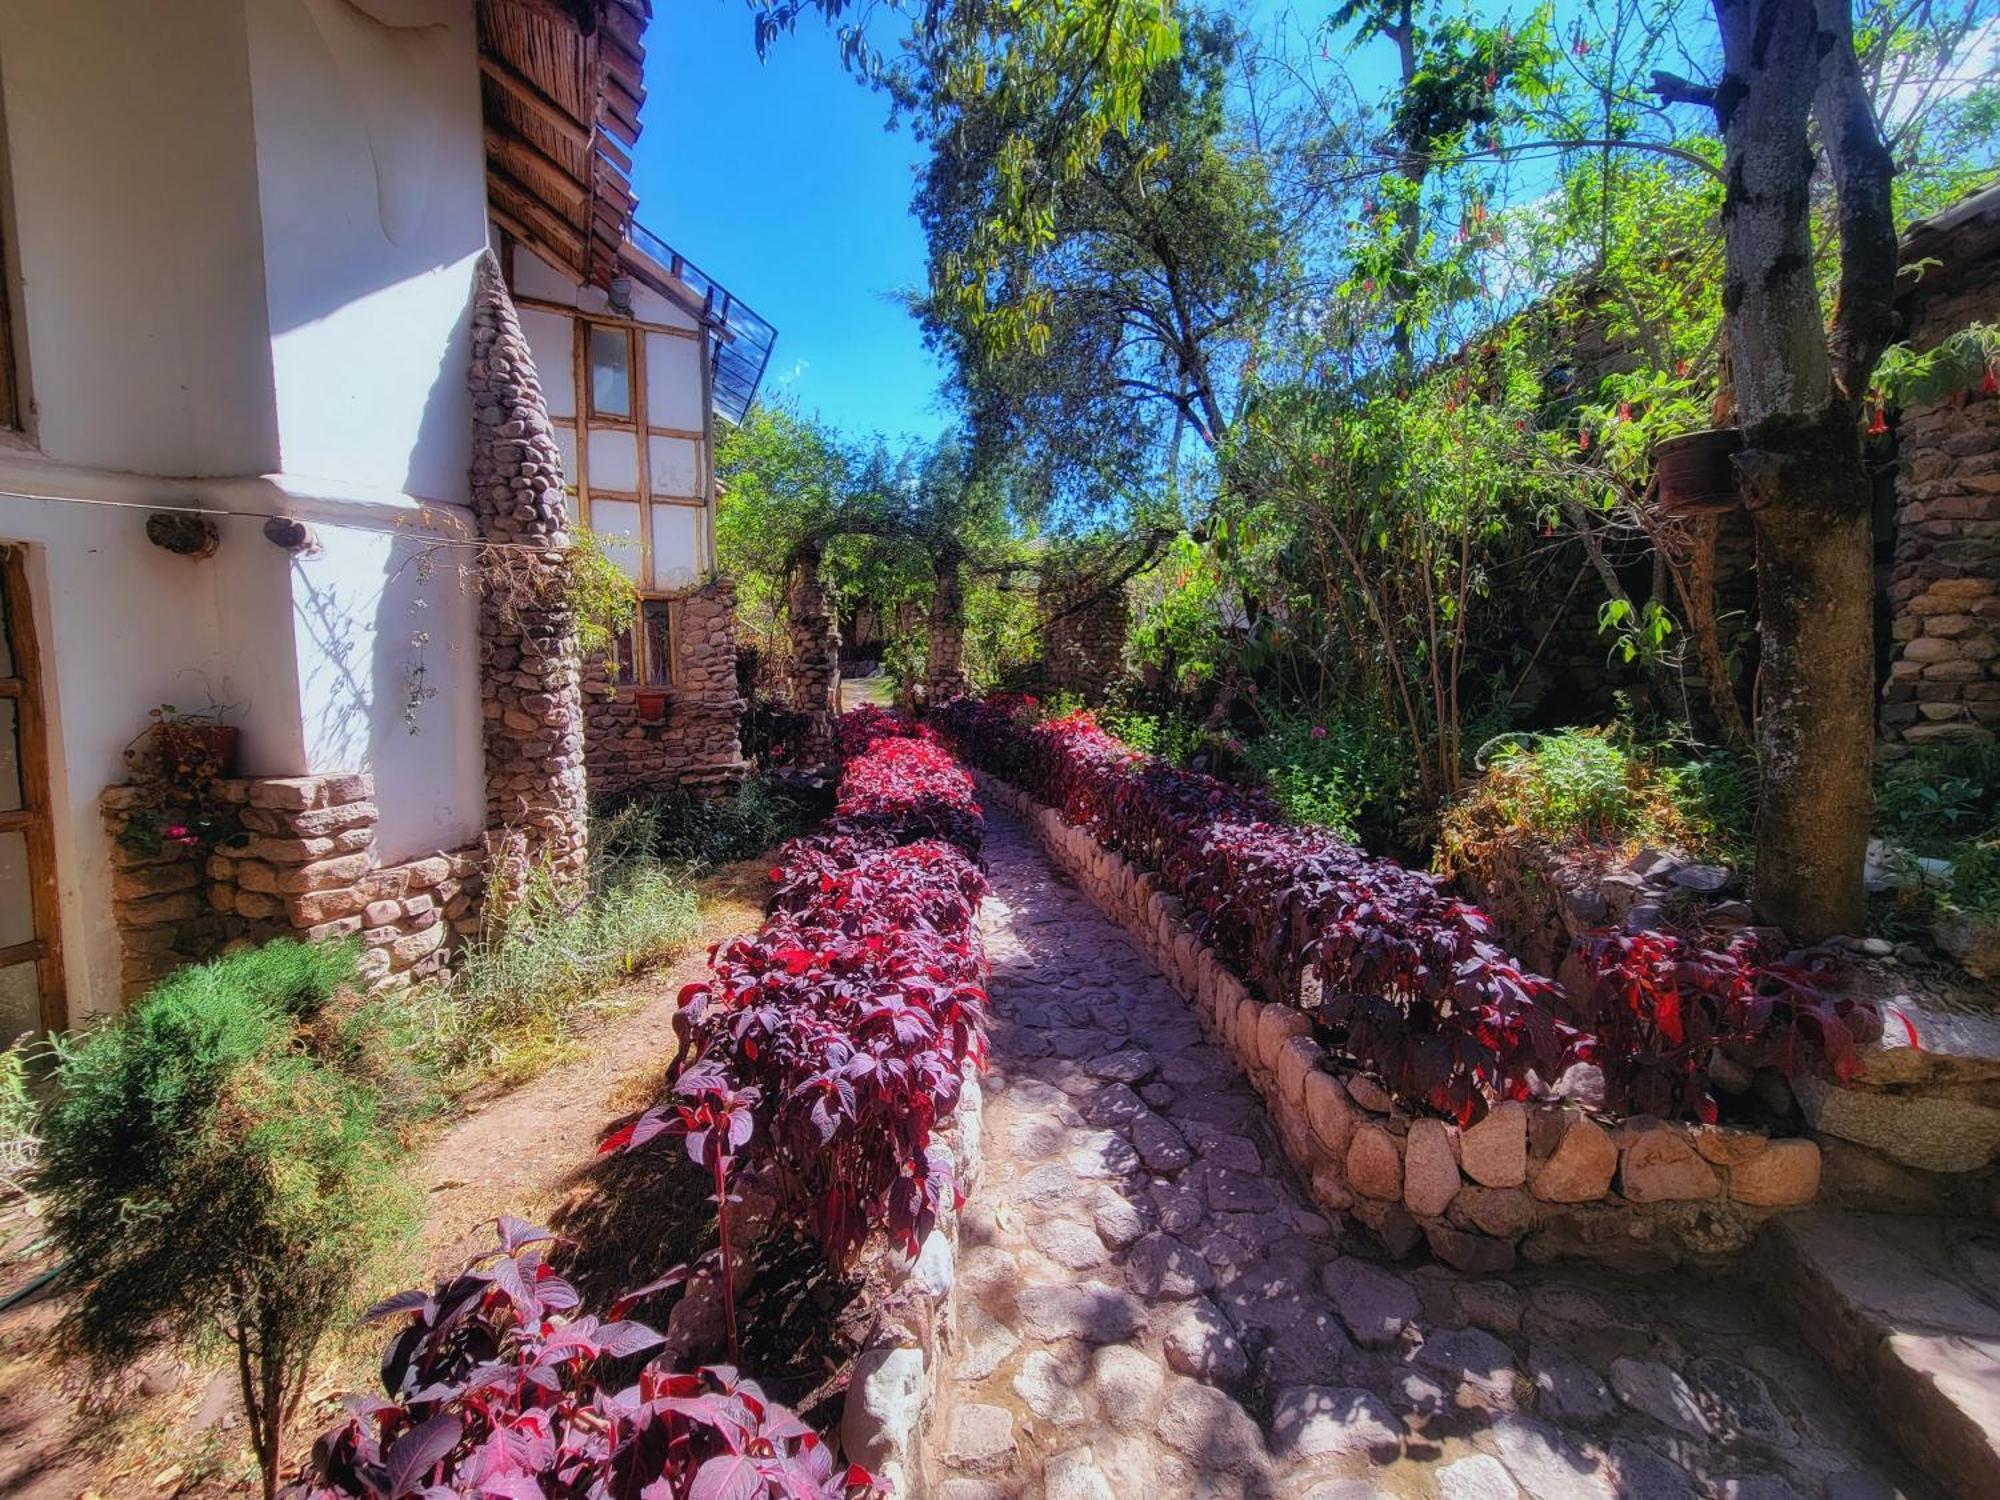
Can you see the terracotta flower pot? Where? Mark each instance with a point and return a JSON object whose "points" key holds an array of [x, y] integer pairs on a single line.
{"points": [[652, 704], [1694, 472]]}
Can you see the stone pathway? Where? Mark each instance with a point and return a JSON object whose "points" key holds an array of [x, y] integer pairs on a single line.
{"points": [[1150, 1307]]}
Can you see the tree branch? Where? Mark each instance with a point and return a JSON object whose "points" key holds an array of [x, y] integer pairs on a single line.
{"points": [[1864, 316]]}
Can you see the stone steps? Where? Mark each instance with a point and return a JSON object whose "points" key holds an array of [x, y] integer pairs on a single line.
{"points": [[1907, 1310]]}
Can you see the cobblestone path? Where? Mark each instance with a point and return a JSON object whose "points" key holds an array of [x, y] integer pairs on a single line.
{"points": [[1150, 1307]]}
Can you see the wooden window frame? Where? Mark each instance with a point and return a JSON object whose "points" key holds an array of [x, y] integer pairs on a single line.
{"points": [[633, 372], [35, 819]]}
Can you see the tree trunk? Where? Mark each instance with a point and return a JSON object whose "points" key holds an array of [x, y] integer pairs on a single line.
{"points": [[1810, 501], [1797, 388]]}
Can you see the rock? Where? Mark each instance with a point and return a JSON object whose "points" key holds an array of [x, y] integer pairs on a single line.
{"points": [[1474, 1254], [1160, 1268], [1128, 1382], [1475, 1478], [1567, 1390], [1494, 1153], [1783, 1176], [1068, 1243], [1660, 1166], [981, 1439], [1374, 1166], [1048, 1389], [1504, 1213], [1473, 1361], [1049, 1185], [1643, 1473], [1109, 1107], [1723, 1146], [1492, 1305], [1649, 1387], [1330, 1113], [1238, 1192], [1316, 1421], [1430, 1169], [1376, 1305], [1876, 947], [1545, 1463], [1210, 1428], [1704, 880], [1159, 1145], [1075, 1476], [988, 1344], [1367, 1093], [1178, 1206], [1101, 1154], [1129, 1065], [1934, 1133], [1119, 1220], [1581, 1084], [1740, 1401], [1199, 1343], [1090, 1311]]}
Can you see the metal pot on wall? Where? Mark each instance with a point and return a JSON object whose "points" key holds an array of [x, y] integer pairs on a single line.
{"points": [[1693, 473]]}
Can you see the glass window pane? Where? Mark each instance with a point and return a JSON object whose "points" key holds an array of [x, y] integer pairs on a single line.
{"points": [[628, 657], [677, 550], [20, 1002], [616, 523], [610, 372], [658, 618], [17, 895], [10, 755]]}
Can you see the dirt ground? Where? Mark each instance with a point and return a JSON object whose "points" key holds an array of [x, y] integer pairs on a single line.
{"points": [[171, 1429]]}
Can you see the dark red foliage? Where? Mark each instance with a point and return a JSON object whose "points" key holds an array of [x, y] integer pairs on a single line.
{"points": [[1664, 1006], [847, 1023], [496, 1391], [1403, 979]]}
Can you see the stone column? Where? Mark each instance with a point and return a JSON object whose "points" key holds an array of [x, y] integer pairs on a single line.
{"points": [[944, 677], [530, 667], [815, 668], [1083, 635]]}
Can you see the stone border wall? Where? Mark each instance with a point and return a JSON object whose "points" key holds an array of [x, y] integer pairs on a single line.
{"points": [[306, 868], [698, 744], [1540, 1182], [896, 1385]]}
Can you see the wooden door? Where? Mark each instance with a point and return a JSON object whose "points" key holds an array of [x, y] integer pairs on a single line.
{"points": [[31, 973]]}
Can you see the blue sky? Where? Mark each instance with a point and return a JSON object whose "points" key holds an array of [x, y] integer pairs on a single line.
{"points": [[779, 179]]}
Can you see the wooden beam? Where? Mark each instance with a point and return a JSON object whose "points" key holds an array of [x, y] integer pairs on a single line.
{"points": [[608, 120], [514, 152], [613, 153], [528, 94], [545, 229]]}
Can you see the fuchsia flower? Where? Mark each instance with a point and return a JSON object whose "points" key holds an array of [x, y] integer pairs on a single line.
{"points": [[1319, 731]]}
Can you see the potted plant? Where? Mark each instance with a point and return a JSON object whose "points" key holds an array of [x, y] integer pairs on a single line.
{"points": [[177, 761]]}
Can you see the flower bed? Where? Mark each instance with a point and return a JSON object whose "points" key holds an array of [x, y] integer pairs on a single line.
{"points": [[817, 1073], [1407, 1058]]}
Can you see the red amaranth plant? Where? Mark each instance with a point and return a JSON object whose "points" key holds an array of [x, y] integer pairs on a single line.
{"points": [[847, 1023], [495, 1391], [1664, 1006]]}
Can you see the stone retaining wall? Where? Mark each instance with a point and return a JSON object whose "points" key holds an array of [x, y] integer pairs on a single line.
{"points": [[1541, 1181], [897, 1382], [307, 867]]}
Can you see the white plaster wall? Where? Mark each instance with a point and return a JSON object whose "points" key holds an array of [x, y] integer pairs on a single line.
{"points": [[388, 671], [135, 197], [371, 175]]}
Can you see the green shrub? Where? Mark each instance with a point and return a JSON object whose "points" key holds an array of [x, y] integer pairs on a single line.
{"points": [[1173, 736], [1933, 801], [223, 1158], [1975, 875], [1343, 770], [693, 834], [522, 986]]}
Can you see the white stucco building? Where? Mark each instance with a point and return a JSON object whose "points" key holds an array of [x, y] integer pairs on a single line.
{"points": [[239, 241]]}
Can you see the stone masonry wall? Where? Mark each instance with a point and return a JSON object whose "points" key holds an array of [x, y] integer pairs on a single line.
{"points": [[1083, 642], [1541, 1182], [697, 744], [1944, 669], [530, 665], [305, 867], [813, 674]]}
